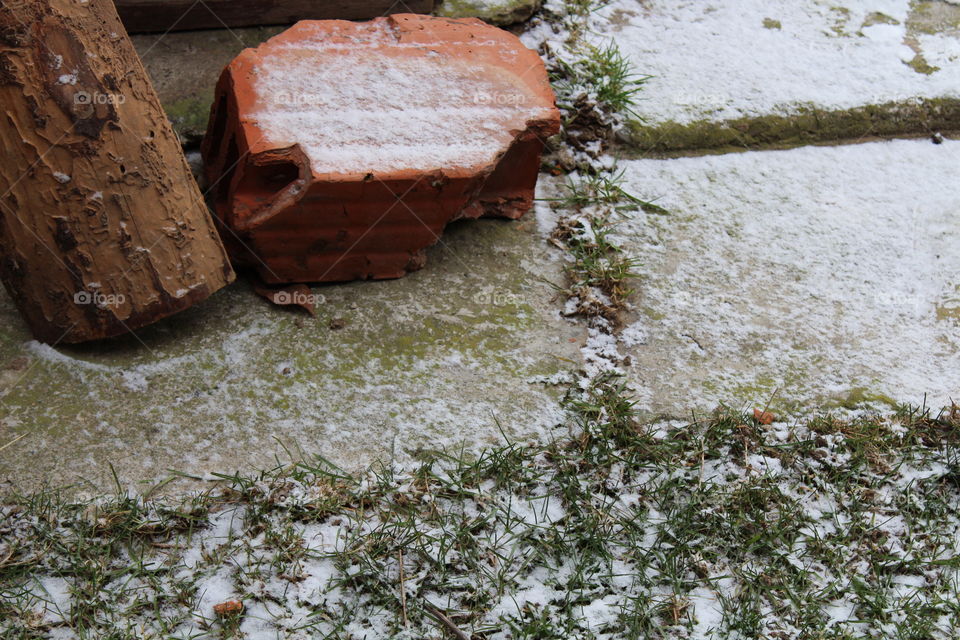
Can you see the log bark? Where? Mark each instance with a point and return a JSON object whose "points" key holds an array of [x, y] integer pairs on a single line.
{"points": [[102, 226], [149, 16]]}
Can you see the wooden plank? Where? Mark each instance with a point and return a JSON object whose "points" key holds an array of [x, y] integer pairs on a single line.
{"points": [[152, 16]]}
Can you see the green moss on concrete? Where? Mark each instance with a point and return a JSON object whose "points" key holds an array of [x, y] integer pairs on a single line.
{"points": [[841, 18], [498, 12], [807, 125], [190, 115], [770, 23], [775, 395], [476, 328], [488, 335], [860, 397], [948, 312], [184, 68], [929, 18], [878, 18], [920, 65]]}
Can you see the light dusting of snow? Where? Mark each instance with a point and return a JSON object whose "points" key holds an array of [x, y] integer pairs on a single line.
{"points": [[355, 109], [213, 590], [819, 270], [831, 55], [54, 594], [134, 381], [226, 396]]}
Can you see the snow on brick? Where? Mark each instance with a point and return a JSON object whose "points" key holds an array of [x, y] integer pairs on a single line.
{"points": [[342, 150]]}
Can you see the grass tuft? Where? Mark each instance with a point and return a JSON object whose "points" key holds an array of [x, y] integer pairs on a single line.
{"points": [[595, 84], [599, 76], [600, 272], [838, 526]]}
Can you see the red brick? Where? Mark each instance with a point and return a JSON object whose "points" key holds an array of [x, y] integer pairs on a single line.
{"points": [[340, 150]]}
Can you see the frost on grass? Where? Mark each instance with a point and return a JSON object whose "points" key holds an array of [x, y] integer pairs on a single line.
{"points": [[723, 528], [596, 86], [596, 89], [585, 212]]}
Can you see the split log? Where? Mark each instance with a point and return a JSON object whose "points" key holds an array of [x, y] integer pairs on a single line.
{"points": [[102, 226], [150, 16]]}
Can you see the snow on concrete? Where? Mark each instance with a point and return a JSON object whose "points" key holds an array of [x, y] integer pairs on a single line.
{"points": [[822, 273], [721, 59], [448, 355]]}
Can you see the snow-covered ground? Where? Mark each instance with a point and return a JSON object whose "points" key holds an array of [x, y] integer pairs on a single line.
{"points": [[806, 276], [721, 59], [824, 272], [716, 530]]}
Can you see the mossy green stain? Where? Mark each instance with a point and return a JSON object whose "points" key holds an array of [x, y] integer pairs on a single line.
{"points": [[499, 12], [860, 397], [807, 125], [879, 18], [933, 17], [920, 65], [190, 115], [841, 17], [947, 312]]}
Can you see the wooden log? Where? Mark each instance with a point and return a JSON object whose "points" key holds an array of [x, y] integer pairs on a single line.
{"points": [[149, 16], [102, 226]]}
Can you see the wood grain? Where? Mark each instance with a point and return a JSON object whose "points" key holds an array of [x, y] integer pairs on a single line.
{"points": [[102, 227]]}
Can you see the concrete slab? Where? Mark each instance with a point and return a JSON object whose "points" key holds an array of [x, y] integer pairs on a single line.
{"points": [[750, 72], [449, 354], [185, 67], [826, 275]]}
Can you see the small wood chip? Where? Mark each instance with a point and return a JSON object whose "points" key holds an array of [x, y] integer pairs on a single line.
{"points": [[228, 608], [299, 295], [763, 417]]}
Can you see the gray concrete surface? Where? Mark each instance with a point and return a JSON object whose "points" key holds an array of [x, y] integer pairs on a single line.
{"points": [[450, 354]]}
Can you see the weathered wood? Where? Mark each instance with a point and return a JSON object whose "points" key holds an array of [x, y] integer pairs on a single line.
{"points": [[102, 227], [147, 16]]}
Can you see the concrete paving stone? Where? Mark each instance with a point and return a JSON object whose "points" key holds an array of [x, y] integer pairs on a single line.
{"points": [[498, 12], [819, 277], [447, 355], [750, 72]]}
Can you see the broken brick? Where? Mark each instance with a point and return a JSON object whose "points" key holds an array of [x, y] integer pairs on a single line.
{"points": [[340, 150]]}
